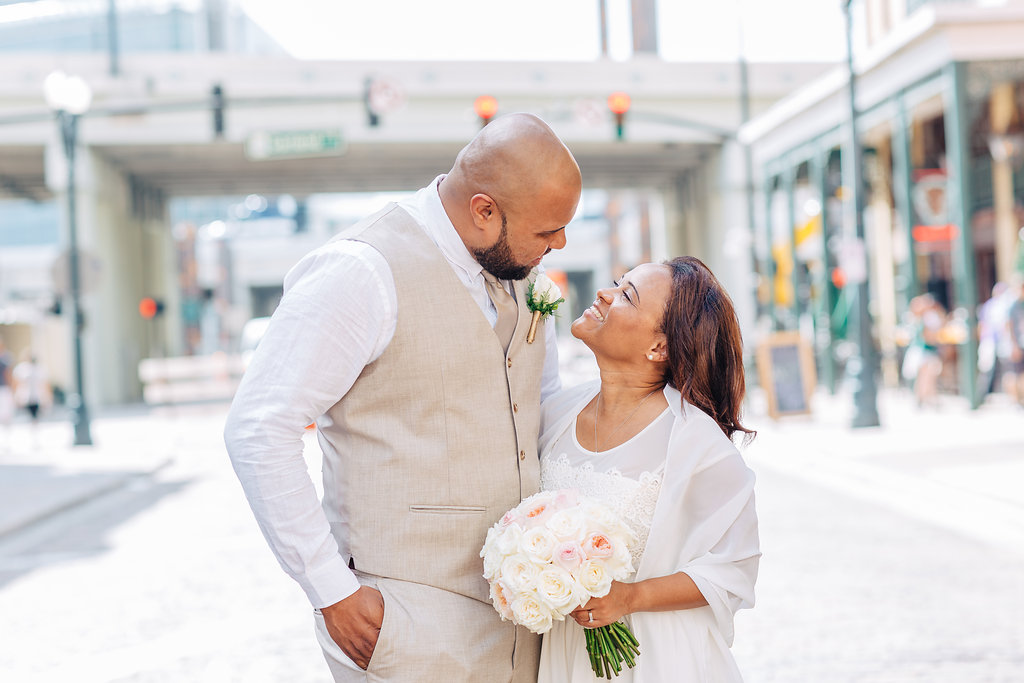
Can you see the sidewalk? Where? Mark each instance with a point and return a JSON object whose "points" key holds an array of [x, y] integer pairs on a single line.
{"points": [[42, 473], [950, 466]]}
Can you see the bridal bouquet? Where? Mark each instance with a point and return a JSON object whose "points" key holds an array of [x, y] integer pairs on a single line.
{"points": [[551, 554]]}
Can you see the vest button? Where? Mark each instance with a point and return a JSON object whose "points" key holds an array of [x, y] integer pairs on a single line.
{"points": [[510, 362], [522, 455], [515, 407]]}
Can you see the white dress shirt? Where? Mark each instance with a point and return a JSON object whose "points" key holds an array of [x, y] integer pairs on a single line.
{"points": [[337, 315]]}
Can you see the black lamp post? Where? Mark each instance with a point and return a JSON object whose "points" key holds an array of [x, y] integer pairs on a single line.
{"points": [[69, 97], [862, 366]]}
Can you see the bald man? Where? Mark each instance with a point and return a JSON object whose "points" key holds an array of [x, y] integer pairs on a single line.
{"points": [[404, 339]]}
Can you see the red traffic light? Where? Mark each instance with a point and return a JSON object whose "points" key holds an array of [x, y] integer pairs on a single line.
{"points": [[618, 102], [485, 107], [149, 308]]}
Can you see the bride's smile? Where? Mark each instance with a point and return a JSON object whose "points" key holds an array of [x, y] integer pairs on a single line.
{"points": [[594, 313]]}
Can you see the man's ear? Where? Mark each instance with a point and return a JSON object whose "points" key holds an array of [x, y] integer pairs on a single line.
{"points": [[486, 217]]}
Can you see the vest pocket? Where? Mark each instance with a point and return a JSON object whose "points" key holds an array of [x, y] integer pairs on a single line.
{"points": [[448, 509]]}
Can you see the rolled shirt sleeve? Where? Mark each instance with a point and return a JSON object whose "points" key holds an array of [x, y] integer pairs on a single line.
{"points": [[721, 506], [337, 315]]}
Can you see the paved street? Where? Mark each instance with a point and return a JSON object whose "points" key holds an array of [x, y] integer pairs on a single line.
{"points": [[890, 555]]}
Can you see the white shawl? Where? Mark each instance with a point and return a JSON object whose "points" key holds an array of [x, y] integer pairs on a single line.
{"points": [[704, 525]]}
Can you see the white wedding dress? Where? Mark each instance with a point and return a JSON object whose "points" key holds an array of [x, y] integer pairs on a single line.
{"points": [[628, 479]]}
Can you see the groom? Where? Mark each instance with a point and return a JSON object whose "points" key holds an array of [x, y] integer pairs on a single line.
{"points": [[405, 340]]}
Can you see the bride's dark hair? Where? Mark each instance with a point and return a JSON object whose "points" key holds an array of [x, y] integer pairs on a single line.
{"points": [[705, 348]]}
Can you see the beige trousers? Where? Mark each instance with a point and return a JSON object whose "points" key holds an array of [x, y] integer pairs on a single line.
{"points": [[434, 636]]}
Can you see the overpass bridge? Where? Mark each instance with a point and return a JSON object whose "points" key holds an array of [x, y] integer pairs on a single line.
{"points": [[150, 136]]}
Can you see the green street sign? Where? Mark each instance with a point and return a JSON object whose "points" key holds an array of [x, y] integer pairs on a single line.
{"points": [[295, 143]]}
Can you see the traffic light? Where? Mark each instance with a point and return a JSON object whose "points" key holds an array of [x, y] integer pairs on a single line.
{"points": [[618, 104], [485, 106], [217, 100], [150, 308]]}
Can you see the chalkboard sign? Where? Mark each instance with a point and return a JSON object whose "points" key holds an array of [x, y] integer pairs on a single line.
{"points": [[785, 366]]}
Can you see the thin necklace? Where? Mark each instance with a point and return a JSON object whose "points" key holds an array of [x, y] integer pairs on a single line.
{"points": [[597, 411]]}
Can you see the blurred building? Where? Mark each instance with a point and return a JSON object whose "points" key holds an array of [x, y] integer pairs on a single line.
{"points": [[940, 119], [33, 261], [131, 27], [178, 139]]}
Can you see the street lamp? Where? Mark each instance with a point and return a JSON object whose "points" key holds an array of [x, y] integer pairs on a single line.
{"points": [[863, 365], [69, 97]]}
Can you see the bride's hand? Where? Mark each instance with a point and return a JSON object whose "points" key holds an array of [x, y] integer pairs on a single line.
{"points": [[606, 610]]}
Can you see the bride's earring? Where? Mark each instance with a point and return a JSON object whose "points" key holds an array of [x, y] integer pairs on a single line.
{"points": [[650, 356]]}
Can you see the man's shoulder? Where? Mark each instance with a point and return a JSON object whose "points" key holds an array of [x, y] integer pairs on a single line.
{"points": [[364, 227]]}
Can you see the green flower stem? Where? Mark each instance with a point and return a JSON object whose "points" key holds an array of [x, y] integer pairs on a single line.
{"points": [[609, 646], [613, 654], [628, 640], [595, 663], [624, 630], [622, 647]]}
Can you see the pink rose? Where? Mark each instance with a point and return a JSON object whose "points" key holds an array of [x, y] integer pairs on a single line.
{"points": [[568, 556], [508, 518], [536, 513], [598, 546], [500, 601]]}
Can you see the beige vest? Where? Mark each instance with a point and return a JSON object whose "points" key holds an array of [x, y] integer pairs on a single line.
{"points": [[438, 437]]}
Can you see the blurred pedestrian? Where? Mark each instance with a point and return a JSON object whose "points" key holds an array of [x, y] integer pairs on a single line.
{"points": [[6, 394], [994, 338], [31, 387], [1015, 326], [922, 364]]}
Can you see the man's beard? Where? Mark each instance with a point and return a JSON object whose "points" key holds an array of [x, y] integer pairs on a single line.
{"points": [[497, 259]]}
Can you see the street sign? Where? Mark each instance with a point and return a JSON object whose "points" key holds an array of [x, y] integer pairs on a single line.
{"points": [[292, 144]]}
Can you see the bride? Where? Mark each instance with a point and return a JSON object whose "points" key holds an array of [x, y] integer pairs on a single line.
{"points": [[652, 439]]}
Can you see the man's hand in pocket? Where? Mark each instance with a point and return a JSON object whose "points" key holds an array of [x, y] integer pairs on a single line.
{"points": [[354, 623]]}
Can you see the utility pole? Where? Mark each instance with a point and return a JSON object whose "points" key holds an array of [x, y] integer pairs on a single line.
{"points": [[113, 48], [748, 159], [862, 366]]}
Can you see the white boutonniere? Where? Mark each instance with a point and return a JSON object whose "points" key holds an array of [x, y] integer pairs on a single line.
{"points": [[542, 297]]}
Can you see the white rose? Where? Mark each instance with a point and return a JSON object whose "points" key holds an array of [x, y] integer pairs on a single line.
{"points": [[567, 525], [538, 542], [528, 611], [618, 567], [490, 540], [557, 589], [507, 542], [519, 573], [545, 290], [599, 517], [492, 562], [623, 561], [594, 579]]}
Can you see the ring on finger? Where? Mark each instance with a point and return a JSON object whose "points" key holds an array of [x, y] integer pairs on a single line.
{"points": [[591, 613]]}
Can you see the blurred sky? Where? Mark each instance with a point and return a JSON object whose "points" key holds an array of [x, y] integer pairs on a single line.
{"points": [[689, 30]]}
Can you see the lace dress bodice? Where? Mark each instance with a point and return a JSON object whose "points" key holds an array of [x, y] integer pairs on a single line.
{"points": [[627, 478]]}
